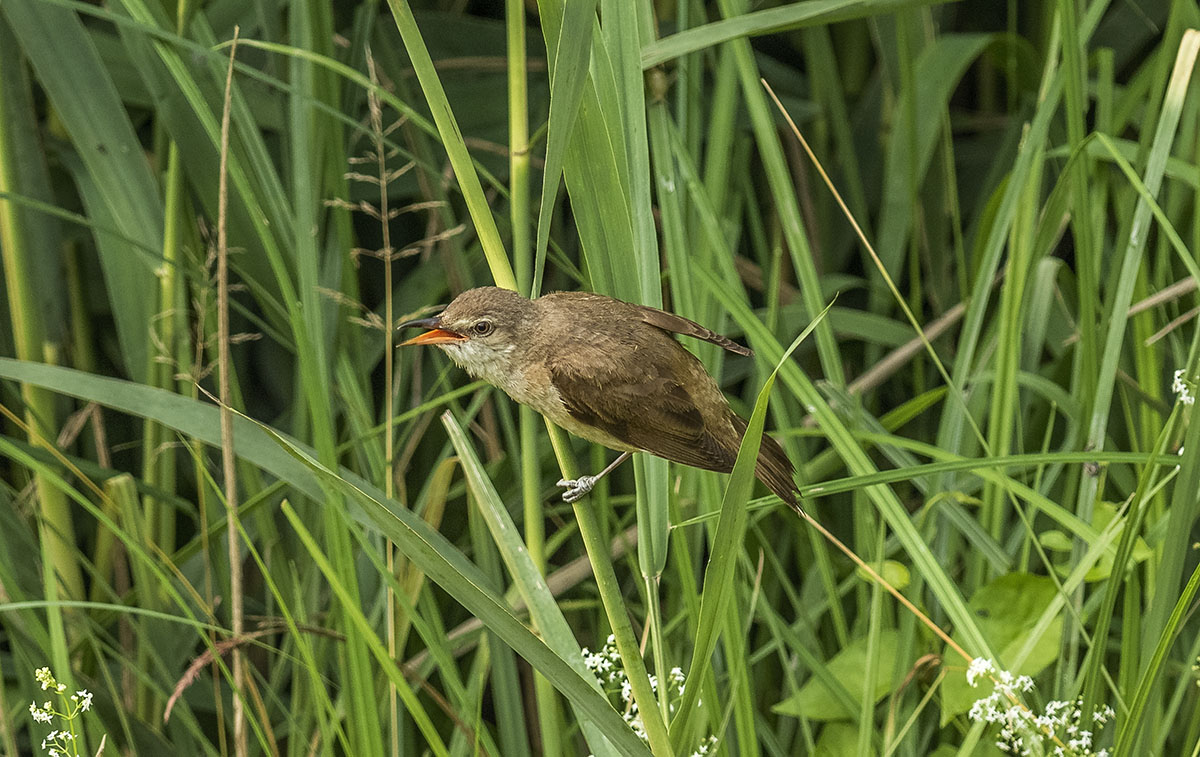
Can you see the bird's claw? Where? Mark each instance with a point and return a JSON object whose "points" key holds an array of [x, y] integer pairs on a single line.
{"points": [[577, 488]]}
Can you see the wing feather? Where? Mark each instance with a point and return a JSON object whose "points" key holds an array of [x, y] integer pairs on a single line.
{"points": [[644, 410], [677, 324], [655, 414]]}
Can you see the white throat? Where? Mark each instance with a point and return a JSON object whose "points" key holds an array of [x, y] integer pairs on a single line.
{"points": [[528, 384], [481, 361]]}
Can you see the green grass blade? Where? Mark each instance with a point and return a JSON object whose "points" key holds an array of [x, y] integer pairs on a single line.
{"points": [[568, 77], [727, 545], [786, 202], [296, 465], [456, 148], [766, 21], [547, 617], [350, 602], [888, 504], [70, 71]]}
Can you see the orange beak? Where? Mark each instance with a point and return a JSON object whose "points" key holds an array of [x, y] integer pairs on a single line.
{"points": [[436, 334]]}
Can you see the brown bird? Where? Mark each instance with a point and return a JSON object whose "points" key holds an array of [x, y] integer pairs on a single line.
{"points": [[605, 370]]}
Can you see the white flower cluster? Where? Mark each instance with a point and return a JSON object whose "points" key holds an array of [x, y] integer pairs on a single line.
{"points": [[1180, 387], [43, 714], [605, 664], [59, 743], [82, 699], [1057, 731], [47, 680]]}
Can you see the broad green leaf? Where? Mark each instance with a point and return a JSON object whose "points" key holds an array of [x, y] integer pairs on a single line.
{"points": [[839, 740], [1007, 611], [1057, 541], [815, 701]]}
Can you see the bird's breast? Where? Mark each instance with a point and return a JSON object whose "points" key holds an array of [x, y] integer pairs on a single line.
{"points": [[532, 386], [529, 383]]}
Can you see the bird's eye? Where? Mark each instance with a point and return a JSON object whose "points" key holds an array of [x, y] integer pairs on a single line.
{"points": [[482, 328]]}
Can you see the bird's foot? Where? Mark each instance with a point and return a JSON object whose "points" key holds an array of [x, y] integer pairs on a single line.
{"points": [[577, 488]]}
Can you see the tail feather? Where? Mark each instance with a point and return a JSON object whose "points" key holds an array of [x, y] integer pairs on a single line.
{"points": [[773, 467], [775, 470]]}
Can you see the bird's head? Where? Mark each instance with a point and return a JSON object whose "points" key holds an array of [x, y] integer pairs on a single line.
{"points": [[480, 331]]}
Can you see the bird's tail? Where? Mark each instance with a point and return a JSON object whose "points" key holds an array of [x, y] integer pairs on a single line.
{"points": [[773, 467]]}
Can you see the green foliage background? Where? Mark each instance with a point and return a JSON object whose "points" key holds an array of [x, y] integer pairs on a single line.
{"points": [[1025, 171]]}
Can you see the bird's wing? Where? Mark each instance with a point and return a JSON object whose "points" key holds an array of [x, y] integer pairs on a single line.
{"points": [[677, 324], [642, 409]]}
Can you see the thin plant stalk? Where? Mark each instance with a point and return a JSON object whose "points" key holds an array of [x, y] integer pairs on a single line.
{"points": [[228, 461], [614, 605], [389, 411]]}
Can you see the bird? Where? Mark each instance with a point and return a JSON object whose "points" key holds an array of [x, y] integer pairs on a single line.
{"points": [[606, 370]]}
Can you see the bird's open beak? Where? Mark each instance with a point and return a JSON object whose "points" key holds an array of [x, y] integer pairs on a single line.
{"points": [[435, 335]]}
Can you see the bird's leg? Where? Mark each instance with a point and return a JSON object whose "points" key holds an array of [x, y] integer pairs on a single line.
{"points": [[576, 488]]}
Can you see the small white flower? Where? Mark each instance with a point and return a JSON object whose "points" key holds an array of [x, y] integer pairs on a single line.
{"points": [[44, 677], [605, 664], [1180, 387], [41, 714], [84, 698], [979, 666], [1056, 730]]}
